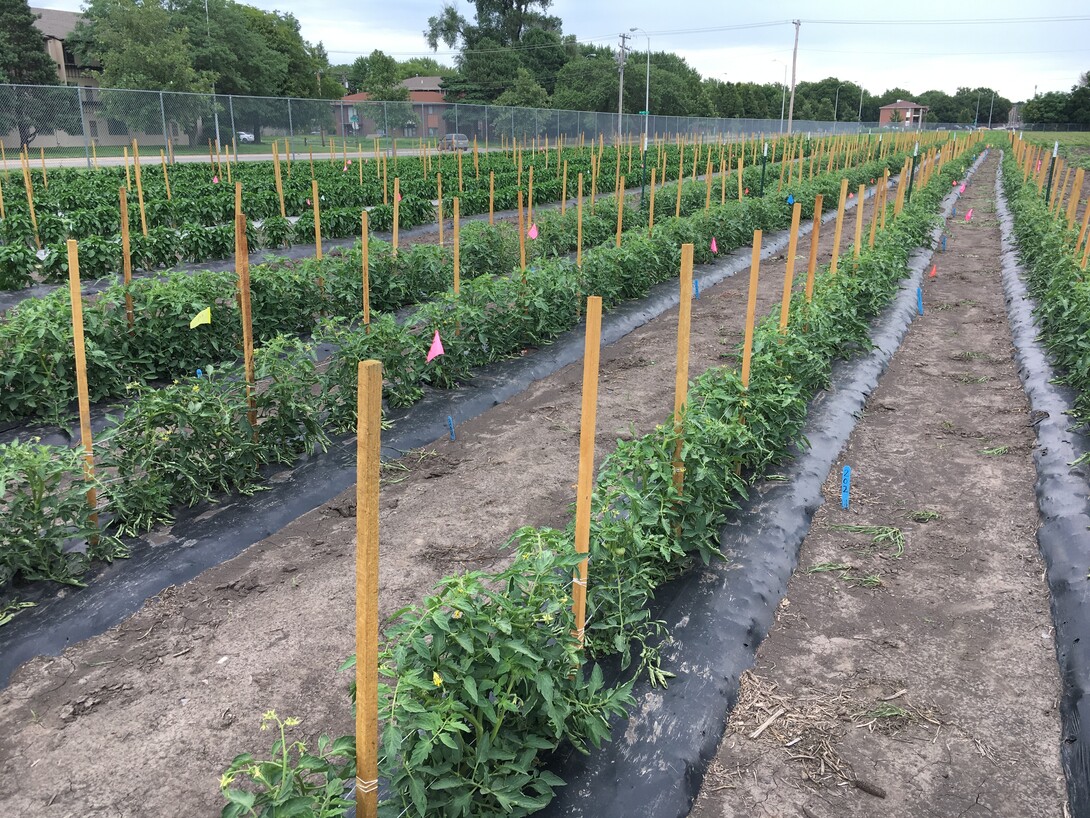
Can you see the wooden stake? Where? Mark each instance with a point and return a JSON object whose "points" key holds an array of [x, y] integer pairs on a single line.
{"points": [[139, 188], [368, 463], [45, 173], [126, 256], [242, 269], [2, 214], [740, 168], [522, 235], [751, 307], [76, 295], [620, 209], [318, 218], [365, 252], [279, 181], [681, 375], [397, 210], [592, 351], [789, 272], [859, 208], [166, 176], [1072, 205], [579, 224], [839, 224], [811, 267], [457, 251]]}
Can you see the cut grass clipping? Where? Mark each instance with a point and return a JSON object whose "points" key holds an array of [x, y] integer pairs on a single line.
{"points": [[882, 535]]}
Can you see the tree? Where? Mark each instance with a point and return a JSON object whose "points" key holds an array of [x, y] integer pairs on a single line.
{"points": [[138, 46], [378, 76], [421, 67], [30, 108], [523, 102], [503, 21], [23, 58]]}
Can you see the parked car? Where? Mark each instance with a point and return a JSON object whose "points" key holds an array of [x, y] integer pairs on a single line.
{"points": [[455, 142], [245, 136]]}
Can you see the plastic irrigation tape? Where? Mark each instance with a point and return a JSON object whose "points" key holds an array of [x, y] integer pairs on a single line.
{"points": [[208, 535], [1063, 501], [719, 614]]}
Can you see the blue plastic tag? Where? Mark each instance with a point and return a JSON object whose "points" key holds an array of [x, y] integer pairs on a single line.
{"points": [[696, 288], [845, 486], [450, 425], [919, 300]]}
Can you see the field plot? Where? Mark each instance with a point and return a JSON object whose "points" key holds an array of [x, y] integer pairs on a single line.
{"points": [[481, 674]]}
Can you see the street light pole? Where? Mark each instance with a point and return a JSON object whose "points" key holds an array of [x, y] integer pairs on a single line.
{"points": [[620, 88], [783, 102], [991, 107], [836, 104], [976, 116], [860, 115]]}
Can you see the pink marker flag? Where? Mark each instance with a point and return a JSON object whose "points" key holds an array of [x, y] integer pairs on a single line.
{"points": [[308, 203], [715, 247], [851, 195], [934, 270], [399, 197], [532, 232], [969, 215], [954, 183], [961, 189], [436, 348], [215, 180]]}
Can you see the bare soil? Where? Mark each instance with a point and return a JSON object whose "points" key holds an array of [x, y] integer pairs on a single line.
{"points": [[142, 719], [915, 675]]}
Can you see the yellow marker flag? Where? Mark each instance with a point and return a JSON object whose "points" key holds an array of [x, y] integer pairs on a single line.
{"points": [[203, 317]]}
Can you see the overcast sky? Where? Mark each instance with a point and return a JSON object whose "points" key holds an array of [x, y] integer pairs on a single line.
{"points": [[927, 44]]}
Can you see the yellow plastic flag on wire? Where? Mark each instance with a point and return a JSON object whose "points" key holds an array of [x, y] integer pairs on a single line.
{"points": [[203, 317]]}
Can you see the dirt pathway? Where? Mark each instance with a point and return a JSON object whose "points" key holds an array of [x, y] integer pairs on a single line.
{"points": [[911, 670], [146, 716]]}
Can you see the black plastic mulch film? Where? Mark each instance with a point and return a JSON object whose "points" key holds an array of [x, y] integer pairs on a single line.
{"points": [[1063, 503]]}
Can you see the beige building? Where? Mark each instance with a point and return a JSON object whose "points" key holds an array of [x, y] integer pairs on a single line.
{"points": [[56, 27]]}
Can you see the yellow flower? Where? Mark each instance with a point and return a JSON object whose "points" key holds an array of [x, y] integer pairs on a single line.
{"points": [[456, 615], [196, 389], [436, 680]]}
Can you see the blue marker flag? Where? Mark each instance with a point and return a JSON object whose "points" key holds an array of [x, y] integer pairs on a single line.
{"points": [[450, 425], [790, 199], [199, 373], [944, 244], [845, 486], [696, 288], [919, 300]]}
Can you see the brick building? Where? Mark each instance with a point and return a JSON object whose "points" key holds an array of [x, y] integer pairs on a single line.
{"points": [[902, 112]]}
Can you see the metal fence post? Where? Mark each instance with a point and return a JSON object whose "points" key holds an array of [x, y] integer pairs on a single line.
{"points": [[291, 129], [163, 117], [456, 118], [83, 125], [385, 122], [231, 107]]}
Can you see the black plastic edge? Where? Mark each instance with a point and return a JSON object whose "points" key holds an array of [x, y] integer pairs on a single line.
{"points": [[208, 535], [1063, 501], [719, 614]]}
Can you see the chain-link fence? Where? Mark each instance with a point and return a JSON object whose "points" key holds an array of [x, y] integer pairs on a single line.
{"points": [[85, 124]]}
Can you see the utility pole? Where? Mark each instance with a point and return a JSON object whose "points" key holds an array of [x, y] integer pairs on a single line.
{"points": [[990, 108], [620, 88], [794, 63]]}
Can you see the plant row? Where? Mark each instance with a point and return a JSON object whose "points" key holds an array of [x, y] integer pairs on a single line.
{"points": [[197, 437], [198, 227], [486, 676], [1055, 279], [288, 297]]}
